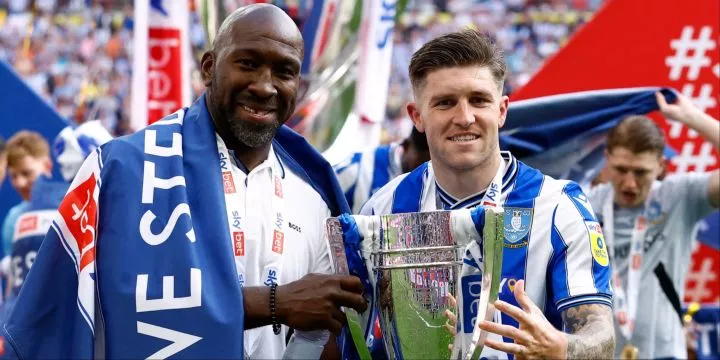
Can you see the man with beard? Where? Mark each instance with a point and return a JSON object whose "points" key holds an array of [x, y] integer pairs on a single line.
{"points": [[201, 235]]}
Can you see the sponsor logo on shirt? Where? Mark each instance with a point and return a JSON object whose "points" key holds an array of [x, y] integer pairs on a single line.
{"points": [[228, 183], [27, 224], [295, 227], [236, 219], [278, 187], [278, 240], [271, 277], [597, 243], [239, 243]]}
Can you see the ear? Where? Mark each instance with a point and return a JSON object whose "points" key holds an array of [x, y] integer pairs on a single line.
{"points": [[504, 103], [414, 112], [206, 67], [664, 162], [48, 166]]}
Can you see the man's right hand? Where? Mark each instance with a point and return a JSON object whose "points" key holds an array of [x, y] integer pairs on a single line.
{"points": [[314, 301]]}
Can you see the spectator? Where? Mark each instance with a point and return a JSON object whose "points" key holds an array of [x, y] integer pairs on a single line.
{"points": [[28, 156]]}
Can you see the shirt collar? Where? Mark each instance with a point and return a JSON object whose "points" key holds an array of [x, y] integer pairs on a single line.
{"points": [[450, 202]]}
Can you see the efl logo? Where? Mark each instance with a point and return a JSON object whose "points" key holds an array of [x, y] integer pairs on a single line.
{"points": [[27, 223], [278, 188], [278, 239], [164, 72], [239, 243], [228, 183], [79, 211]]}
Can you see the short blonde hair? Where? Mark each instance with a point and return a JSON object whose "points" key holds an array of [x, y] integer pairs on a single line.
{"points": [[26, 143]]}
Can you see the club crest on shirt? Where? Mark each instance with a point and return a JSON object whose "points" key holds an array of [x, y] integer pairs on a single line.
{"points": [[516, 225], [597, 243], [655, 215]]}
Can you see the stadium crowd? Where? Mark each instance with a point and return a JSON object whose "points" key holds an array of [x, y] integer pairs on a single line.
{"points": [[77, 54]]}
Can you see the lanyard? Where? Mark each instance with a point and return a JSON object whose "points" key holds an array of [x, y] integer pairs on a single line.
{"points": [[270, 247], [268, 251], [626, 295]]}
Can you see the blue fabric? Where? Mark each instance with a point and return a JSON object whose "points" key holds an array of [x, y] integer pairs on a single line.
{"points": [[9, 226], [24, 110], [51, 306], [564, 135]]}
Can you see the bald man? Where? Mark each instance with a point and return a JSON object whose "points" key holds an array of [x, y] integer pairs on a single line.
{"points": [[200, 236]]}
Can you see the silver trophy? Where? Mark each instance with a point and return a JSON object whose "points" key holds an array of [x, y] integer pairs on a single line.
{"points": [[414, 261]]}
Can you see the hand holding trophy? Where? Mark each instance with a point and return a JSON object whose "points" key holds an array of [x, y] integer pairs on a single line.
{"points": [[413, 266]]}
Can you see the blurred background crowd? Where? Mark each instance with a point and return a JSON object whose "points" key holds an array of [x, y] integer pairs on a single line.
{"points": [[78, 53]]}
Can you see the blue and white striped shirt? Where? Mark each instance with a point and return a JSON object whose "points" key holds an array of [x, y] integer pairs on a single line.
{"points": [[561, 256], [363, 173]]}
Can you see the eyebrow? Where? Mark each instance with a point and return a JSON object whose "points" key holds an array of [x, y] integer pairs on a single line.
{"points": [[443, 96], [283, 59]]}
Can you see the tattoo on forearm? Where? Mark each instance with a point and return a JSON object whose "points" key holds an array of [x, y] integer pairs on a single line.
{"points": [[592, 335]]}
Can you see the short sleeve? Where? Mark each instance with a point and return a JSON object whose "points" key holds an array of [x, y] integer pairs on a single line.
{"points": [[580, 267], [689, 190]]}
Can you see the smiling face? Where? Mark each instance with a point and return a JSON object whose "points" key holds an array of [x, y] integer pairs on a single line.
{"points": [[461, 109], [252, 76]]}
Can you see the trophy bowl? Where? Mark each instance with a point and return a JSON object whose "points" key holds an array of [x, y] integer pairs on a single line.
{"points": [[413, 262]]}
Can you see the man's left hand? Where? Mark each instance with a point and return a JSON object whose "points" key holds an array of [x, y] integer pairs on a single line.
{"points": [[535, 338]]}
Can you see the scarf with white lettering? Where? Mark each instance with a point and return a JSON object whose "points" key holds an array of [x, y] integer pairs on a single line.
{"points": [[139, 262]]}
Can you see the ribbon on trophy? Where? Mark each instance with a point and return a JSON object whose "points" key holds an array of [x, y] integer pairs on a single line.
{"points": [[409, 264]]}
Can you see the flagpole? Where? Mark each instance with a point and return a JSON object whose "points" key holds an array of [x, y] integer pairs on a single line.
{"points": [[139, 93]]}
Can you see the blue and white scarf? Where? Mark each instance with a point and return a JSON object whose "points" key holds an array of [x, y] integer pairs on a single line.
{"points": [[138, 262]]}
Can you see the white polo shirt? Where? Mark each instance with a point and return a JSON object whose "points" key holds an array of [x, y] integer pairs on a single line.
{"points": [[305, 250]]}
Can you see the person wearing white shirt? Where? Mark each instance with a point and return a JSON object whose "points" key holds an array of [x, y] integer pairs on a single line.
{"points": [[648, 224]]}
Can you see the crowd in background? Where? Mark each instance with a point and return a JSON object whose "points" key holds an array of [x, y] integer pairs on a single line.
{"points": [[528, 31], [77, 54]]}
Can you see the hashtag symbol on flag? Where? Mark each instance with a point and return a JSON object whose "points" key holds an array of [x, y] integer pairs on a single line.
{"points": [[690, 53]]}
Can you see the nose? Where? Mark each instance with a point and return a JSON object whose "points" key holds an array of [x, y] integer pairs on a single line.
{"points": [[464, 116], [629, 180], [262, 85]]}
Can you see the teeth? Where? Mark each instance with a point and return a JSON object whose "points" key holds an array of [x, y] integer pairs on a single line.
{"points": [[463, 138], [254, 111]]}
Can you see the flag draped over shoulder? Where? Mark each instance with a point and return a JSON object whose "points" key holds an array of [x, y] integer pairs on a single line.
{"points": [[138, 262], [564, 135]]}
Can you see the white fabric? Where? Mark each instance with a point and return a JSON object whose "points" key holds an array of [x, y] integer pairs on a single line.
{"points": [[302, 218], [681, 202]]}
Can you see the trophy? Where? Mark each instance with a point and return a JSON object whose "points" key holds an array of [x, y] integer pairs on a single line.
{"points": [[410, 263]]}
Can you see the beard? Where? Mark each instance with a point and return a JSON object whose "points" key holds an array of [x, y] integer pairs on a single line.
{"points": [[251, 134], [248, 133]]}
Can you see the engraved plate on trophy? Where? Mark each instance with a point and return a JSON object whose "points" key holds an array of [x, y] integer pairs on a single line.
{"points": [[414, 261]]}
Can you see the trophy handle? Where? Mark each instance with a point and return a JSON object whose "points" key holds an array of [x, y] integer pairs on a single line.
{"points": [[492, 247], [356, 325]]}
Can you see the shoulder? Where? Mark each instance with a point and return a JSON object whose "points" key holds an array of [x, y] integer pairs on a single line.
{"points": [[381, 202]]}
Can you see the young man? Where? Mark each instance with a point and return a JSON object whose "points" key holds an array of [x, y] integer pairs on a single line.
{"points": [[554, 253], [648, 225], [184, 236], [363, 173], [28, 157], [70, 149]]}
